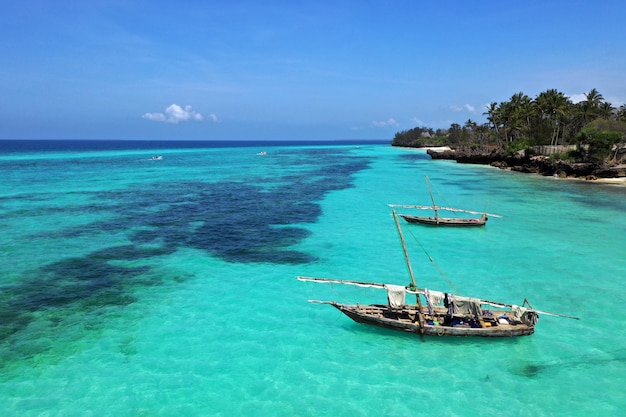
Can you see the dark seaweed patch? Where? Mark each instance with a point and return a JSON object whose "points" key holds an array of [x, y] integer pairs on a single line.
{"points": [[234, 221], [253, 221], [83, 283]]}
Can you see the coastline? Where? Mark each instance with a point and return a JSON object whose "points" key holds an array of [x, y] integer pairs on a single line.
{"points": [[611, 181], [541, 165]]}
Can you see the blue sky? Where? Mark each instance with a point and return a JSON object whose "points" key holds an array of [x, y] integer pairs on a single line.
{"points": [[289, 70]]}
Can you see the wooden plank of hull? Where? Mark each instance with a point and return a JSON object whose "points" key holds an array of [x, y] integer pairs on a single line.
{"points": [[359, 315], [443, 221]]}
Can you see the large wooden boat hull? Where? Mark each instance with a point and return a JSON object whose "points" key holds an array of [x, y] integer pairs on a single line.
{"points": [[404, 320], [444, 221]]}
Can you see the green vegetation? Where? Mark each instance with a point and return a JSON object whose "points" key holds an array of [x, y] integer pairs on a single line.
{"points": [[551, 118]]}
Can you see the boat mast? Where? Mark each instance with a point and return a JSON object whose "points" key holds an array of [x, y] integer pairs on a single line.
{"points": [[408, 264], [406, 254], [430, 191]]}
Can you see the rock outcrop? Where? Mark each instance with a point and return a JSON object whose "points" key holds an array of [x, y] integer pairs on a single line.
{"points": [[537, 164]]}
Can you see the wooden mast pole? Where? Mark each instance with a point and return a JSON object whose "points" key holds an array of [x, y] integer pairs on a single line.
{"points": [[408, 264], [430, 191], [406, 254]]}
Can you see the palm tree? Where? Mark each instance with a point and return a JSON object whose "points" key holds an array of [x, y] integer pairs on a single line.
{"points": [[528, 109], [493, 117], [585, 112], [553, 105], [621, 113], [594, 97], [482, 131], [589, 109], [504, 112], [469, 131], [605, 110], [522, 109], [470, 125]]}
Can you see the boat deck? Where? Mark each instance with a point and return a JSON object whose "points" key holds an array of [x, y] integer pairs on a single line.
{"points": [[493, 323]]}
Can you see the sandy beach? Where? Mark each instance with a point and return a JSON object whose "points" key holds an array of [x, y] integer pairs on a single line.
{"points": [[614, 181]]}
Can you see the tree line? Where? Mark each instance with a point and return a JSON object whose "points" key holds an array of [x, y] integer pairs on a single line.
{"points": [[520, 123]]}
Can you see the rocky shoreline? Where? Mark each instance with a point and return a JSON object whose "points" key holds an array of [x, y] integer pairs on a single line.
{"points": [[537, 164]]}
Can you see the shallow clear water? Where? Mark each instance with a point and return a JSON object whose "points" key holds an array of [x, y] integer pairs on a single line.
{"points": [[133, 287]]}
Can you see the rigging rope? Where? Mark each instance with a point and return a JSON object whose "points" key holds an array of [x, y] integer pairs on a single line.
{"points": [[441, 272], [442, 197], [333, 289], [339, 297]]}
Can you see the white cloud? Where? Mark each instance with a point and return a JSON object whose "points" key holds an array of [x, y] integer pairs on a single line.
{"points": [[577, 98], [176, 114], [465, 107], [615, 101], [385, 123]]}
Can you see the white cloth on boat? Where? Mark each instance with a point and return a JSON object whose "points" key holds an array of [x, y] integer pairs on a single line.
{"points": [[396, 295], [518, 312], [434, 298], [464, 306]]}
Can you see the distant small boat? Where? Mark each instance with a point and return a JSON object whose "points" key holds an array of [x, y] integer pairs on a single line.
{"points": [[262, 153], [437, 220], [156, 158]]}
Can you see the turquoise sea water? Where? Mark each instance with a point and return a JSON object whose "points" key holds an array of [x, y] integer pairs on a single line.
{"points": [[132, 287]]}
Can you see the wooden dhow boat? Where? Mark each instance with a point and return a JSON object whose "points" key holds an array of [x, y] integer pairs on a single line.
{"points": [[437, 313], [437, 219]]}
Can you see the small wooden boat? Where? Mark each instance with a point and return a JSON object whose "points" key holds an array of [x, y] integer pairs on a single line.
{"points": [[437, 313], [437, 220], [446, 221]]}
